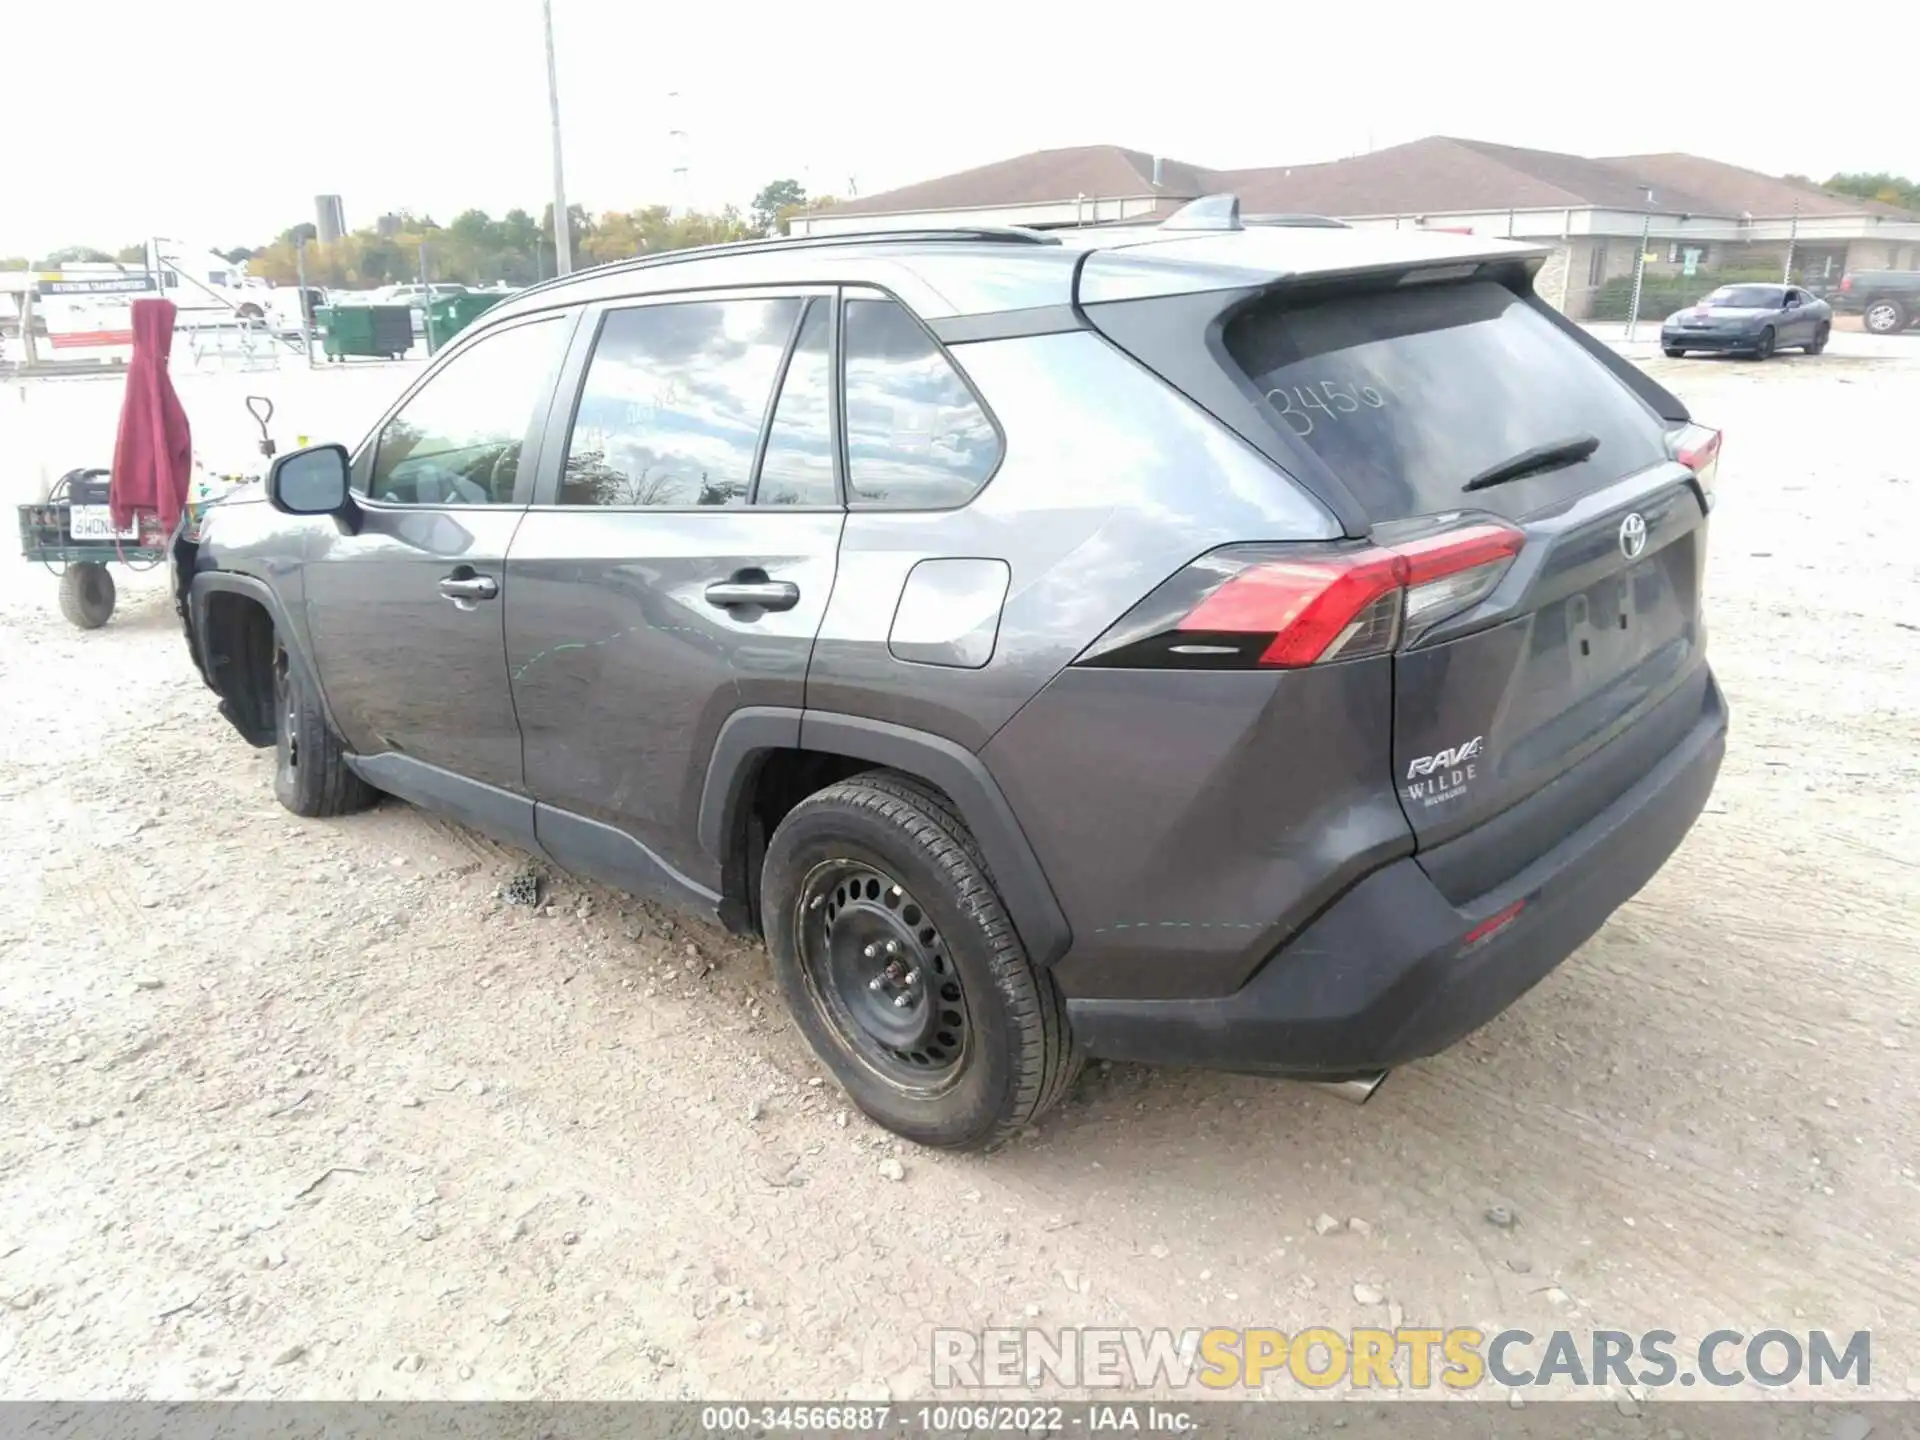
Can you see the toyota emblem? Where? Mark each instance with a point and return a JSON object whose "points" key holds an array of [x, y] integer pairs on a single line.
{"points": [[1633, 535]]}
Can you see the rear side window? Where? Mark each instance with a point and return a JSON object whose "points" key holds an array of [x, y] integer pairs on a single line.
{"points": [[797, 468], [673, 401], [1407, 394], [917, 439]]}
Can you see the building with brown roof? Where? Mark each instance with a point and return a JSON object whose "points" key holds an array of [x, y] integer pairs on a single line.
{"points": [[1701, 218]]}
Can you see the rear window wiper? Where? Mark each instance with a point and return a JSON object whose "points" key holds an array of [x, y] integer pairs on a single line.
{"points": [[1556, 455]]}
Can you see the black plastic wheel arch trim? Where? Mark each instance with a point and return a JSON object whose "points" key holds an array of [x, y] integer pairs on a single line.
{"points": [[749, 733], [226, 582]]}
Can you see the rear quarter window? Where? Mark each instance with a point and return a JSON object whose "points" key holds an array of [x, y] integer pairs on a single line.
{"points": [[1407, 394]]}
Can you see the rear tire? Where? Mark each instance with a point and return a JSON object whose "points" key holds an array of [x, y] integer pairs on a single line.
{"points": [[1820, 337], [1673, 354], [1763, 348], [1885, 317], [902, 968], [87, 594], [310, 774]]}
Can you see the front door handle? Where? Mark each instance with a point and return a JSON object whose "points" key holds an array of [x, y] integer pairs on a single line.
{"points": [[762, 594], [469, 587]]}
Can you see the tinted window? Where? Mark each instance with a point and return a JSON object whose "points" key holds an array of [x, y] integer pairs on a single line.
{"points": [[798, 466], [673, 402], [1746, 297], [1408, 394], [916, 437], [457, 440]]}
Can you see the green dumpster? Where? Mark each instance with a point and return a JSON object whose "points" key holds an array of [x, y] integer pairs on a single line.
{"points": [[385, 331], [448, 315]]}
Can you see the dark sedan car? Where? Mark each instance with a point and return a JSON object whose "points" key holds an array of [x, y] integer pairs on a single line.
{"points": [[1751, 320]]}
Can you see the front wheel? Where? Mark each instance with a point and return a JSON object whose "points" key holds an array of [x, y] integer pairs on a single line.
{"points": [[903, 970], [87, 594], [1673, 353], [310, 774], [1820, 336], [1763, 347]]}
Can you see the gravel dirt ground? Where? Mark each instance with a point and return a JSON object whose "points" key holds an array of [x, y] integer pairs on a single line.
{"points": [[307, 1109]]}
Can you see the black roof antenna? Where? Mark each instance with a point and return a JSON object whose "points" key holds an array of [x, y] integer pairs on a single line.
{"points": [[1209, 212]]}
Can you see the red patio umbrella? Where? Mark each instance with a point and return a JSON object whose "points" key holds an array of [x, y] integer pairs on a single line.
{"points": [[153, 453]]}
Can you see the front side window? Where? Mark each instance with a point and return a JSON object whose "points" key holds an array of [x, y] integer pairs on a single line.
{"points": [[458, 439], [674, 397], [917, 439]]}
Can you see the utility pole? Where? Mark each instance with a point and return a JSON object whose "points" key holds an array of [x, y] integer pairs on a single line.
{"points": [[677, 144], [562, 228], [300, 275], [1793, 235], [1640, 266]]}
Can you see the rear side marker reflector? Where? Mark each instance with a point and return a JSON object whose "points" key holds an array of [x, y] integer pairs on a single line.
{"points": [[1290, 606], [1493, 924]]}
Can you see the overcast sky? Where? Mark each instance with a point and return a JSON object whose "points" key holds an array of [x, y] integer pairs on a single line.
{"points": [[140, 119]]}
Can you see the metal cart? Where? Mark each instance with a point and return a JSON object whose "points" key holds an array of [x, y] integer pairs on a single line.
{"points": [[72, 532]]}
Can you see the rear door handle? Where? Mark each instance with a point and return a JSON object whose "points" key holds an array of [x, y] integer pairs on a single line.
{"points": [[469, 587], [765, 594]]}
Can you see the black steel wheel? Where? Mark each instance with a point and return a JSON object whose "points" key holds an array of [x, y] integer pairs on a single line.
{"points": [[878, 972], [903, 970], [310, 772]]}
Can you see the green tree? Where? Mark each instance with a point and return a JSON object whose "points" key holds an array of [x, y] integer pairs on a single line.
{"points": [[76, 255], [773, 202], [478, 249], [1879, 185]]}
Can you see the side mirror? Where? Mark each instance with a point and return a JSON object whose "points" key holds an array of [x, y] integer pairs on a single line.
{"points": [[312, 481]]}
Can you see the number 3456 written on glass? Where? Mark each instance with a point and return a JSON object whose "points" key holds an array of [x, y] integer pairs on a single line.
{"points": [[1297, 402]]}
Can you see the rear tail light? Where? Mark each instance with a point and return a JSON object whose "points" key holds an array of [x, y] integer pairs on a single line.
{"points": [[1846, 282], [1289, 606], [1698, 448]]}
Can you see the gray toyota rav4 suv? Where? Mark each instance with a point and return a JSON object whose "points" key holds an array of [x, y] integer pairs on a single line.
{"points": [[1263, 646]]}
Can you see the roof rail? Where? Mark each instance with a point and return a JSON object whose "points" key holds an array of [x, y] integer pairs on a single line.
{"points": [[1209, 212], [1004, 234]]}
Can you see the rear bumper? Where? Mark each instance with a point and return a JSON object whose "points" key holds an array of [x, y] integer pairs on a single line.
{"points": [[1383, 976]]}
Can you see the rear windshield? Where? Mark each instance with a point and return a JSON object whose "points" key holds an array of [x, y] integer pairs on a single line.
{"points": [[1408, 394]]}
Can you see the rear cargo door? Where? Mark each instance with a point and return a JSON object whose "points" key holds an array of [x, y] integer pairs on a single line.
{"points": [[1441, 405]]}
